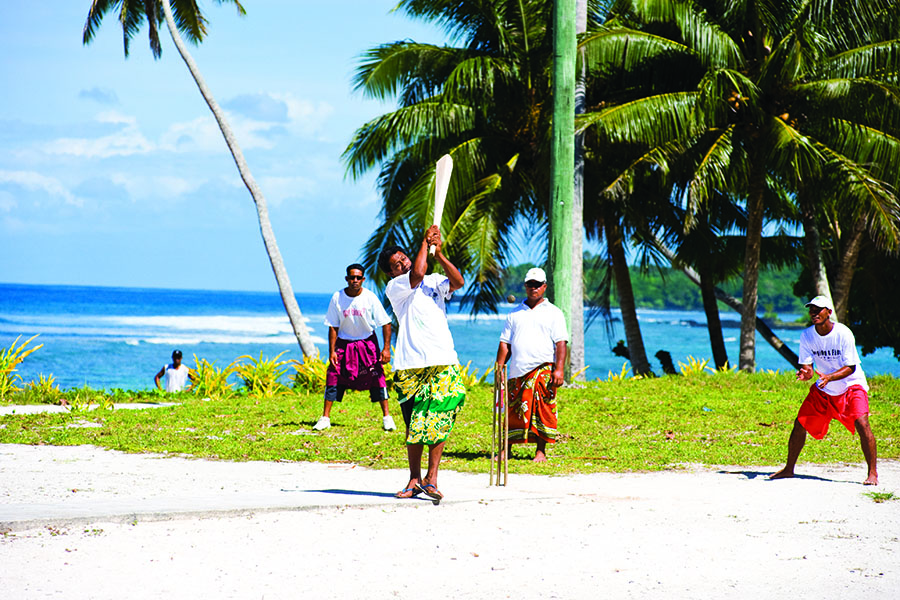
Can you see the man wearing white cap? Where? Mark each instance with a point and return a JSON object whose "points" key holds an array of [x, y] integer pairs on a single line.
{"points": [[534, 340], [828, 349]]}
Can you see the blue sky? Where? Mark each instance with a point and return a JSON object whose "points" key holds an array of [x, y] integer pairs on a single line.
{"points": [[112, 171]]}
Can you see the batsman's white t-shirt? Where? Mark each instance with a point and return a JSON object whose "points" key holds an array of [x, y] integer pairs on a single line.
{"points": [[828, 353], [424, 338], [532, 334], [356, 317], [175, 379]]}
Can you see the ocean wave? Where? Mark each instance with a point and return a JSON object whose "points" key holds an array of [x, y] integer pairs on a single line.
{"points": [[223, 328], [262, 324], [457, 317], [193, 340]]}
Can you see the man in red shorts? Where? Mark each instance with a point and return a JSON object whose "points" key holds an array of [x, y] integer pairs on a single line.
{"points": [[840, 392]]}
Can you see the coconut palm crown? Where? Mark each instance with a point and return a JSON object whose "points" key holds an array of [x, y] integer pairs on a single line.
{"points": [[132, 13]]}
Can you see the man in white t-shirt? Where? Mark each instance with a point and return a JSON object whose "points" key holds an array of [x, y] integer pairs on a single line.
{"points": [[534, 340], [427, 377], [175, 375], [828, 349], [354, 359]]}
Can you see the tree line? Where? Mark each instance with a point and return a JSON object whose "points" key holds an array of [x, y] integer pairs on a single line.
{"points": [[667, 288]]}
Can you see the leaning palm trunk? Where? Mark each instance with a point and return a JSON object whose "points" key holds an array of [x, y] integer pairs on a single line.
{"points": [[713, 323], [849, 258], [281, 277], [812, 244], [636, 352], [755, 209]]}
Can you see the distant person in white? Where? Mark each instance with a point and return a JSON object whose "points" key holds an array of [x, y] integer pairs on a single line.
{"points": [[828, 349], [176, 374], [534, 341], [354, 358]]}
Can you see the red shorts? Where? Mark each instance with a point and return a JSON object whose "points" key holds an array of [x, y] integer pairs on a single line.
{"points": [[820, 408]]}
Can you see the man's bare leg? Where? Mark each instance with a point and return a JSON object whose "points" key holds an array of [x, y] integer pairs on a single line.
{"points": [[869, 448], [795, 445], [540, 455], [384, 408], [434, 462], [326, 411], [414, 457]]}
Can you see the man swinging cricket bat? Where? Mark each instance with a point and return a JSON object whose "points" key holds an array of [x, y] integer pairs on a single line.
{"points": [[427, 377]]}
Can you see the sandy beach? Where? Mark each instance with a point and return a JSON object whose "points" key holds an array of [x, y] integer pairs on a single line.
{"points": [[83, 522]]}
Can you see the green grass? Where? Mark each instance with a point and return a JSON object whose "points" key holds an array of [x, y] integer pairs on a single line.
{"points": [[880, 497], [650, 424]]}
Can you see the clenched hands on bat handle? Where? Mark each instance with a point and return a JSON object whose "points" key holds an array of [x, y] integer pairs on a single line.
{"points": [[433, 238], [420, 264]]}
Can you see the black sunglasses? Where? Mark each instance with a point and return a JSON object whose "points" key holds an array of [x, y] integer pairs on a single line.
{"points": [[534, 284], [354, 277]]}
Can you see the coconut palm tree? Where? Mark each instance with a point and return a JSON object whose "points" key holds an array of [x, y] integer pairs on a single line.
{"points": [[184, 16], [768, 94]]}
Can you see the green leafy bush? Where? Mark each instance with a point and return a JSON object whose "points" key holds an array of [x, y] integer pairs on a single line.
{"points": [[42, 391], [309, 375], [10, 358], [207, 381], [262, 376]]}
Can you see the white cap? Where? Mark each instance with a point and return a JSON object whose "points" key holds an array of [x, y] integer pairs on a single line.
{"points": [[821, 302], [536, 274]]}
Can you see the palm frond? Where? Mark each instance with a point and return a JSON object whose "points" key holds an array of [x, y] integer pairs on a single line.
{"points": [[378, 138], [418, 70], [877, 60], [654, 120], [710, 176]]}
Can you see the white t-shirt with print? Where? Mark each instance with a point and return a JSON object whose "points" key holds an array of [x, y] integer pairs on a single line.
{"points": [[424, 338], [532, 334], [175, 379], [828, 353], [356, 317]]}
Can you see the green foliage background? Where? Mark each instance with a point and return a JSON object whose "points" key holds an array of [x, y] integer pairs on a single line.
{"points": [[667, 288]]}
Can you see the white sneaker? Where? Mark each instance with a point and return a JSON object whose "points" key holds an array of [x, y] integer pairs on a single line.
{"points": [[322, 423], [388, 423]]}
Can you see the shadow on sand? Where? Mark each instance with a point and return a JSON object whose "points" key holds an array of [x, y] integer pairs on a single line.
{"points": [[346, 492], [765, 475]]}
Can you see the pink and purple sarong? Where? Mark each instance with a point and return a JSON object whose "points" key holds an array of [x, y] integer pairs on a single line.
{"points": [[358, 365]]}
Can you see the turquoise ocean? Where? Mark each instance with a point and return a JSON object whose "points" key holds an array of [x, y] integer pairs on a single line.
{"points": [[108, 337]]}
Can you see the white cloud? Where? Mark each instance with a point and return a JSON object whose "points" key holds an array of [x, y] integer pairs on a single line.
{"points": [[305, 119], [128, 140], [33, 181], [198, 135], [155, 187], [278, 189], [305, 116]]}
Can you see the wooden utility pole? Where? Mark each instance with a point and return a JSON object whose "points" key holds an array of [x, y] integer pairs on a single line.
{"points": [[576, 319], [562, 156]]}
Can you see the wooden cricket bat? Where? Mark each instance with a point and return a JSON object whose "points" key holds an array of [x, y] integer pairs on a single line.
{"points": [[441, 184]]}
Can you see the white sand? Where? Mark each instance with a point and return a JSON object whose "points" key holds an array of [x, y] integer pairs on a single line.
{"points": [[142, 526]]}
